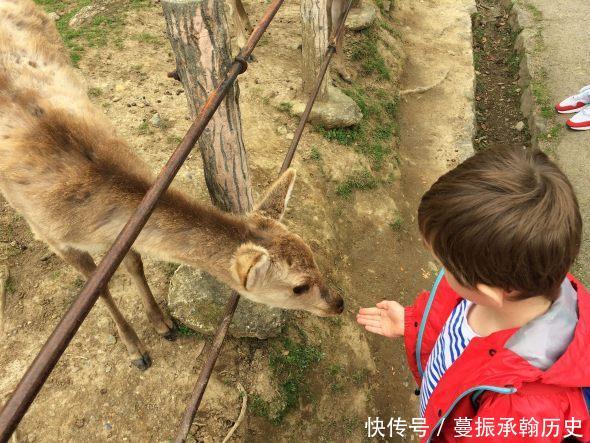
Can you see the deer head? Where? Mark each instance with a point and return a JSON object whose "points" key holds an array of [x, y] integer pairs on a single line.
{"points": [[277, 267]]}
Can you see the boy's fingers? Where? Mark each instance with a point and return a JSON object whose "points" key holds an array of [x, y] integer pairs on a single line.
{"points": [[369, 321], [369, 311], [383, 304]]}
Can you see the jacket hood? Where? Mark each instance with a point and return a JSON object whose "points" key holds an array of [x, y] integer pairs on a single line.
{"points": [[558, 342]]}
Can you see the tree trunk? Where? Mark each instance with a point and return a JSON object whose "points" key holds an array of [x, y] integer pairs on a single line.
{"points": [[315, 39], [198, 33]]}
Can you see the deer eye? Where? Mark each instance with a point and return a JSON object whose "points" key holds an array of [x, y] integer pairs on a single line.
{"points": [[301, 289]]}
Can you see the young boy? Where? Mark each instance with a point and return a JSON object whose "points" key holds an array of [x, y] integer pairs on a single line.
{"points": [[500, 348]]}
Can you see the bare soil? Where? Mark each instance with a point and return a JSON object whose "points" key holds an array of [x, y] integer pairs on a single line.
{"points": [[365, 239], [497, 96]]}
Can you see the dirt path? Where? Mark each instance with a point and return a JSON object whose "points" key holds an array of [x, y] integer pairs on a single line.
{"points": [[435, 133]]}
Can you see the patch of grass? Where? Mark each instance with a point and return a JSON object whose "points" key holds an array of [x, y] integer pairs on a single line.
{"points": [[137, 4], [94, 92], [344, 136], [360, 376], [79, 282], [397, 224], [360, 180], [96, 33], [185, 330], [542, 97], [146, 37], [514, 62], [10, 286], [366, 52], [290, 363], [315, 153], [144, 128], [552, 133], [537, 15], [173, 139], [286, 107]]}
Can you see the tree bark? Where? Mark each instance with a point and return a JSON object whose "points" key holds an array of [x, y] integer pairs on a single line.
{"points": [[315, 39], [198, 33]]}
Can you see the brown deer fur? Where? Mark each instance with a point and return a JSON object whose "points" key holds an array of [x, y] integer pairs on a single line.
{"points": [[76, 183]]}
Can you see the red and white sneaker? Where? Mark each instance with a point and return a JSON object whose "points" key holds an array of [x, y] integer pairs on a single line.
{"points": [[575, 102], [580, 121]]}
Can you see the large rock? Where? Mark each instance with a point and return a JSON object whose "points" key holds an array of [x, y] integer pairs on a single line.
{"points": [[198, 301], [85, 15], [362, 17], [339, 111]]}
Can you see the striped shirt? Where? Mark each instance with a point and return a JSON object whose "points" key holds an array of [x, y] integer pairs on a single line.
{"points": [[451, 342]]}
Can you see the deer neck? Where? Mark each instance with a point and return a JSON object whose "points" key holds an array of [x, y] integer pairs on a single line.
{"points": [[203, 237]]}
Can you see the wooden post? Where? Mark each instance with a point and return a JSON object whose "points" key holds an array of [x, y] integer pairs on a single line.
{"points": [[198, 33], [315, 39]]}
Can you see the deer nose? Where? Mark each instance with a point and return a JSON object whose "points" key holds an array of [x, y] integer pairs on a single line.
{"points": [[339, 305]]}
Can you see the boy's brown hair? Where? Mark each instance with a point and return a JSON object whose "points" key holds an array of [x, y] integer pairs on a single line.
{"points": [[507, 218]]}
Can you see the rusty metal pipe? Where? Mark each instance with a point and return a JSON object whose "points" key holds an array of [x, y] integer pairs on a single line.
{"points": [[37, 373], [232, 304]]}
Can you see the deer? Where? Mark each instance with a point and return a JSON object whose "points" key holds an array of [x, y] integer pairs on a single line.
{"points": [[76, 183], [243, 28]]}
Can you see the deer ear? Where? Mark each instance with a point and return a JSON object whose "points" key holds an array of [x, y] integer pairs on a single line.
{"points": [[250, 265], [275, 200]]}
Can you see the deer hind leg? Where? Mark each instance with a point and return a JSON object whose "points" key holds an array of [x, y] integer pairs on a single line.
{"points": [[161, 322], [335, 14], [241, 21], [83, 262]]}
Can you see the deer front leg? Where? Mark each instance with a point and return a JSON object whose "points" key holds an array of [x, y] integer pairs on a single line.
{"points": [[161, 322], [83, 262], [335, 13]]}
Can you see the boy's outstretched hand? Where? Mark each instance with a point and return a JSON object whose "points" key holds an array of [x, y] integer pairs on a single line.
{"points": [[386, 319]]}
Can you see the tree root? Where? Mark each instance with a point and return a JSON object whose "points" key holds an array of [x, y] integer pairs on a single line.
{"points": [[422, 89], [242, 413]]}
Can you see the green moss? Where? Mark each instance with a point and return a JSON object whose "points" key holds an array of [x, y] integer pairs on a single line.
{"points": [[365, 51], [285, 107], [360, 180], [315, 153], [290, 363]]}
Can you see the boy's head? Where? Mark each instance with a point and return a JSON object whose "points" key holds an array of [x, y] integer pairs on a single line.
{"points": [[505, 218]]}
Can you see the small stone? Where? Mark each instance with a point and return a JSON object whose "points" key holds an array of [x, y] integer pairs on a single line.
{"points": [[156, 120], [386, 5], [79, 423], [120, 87], [54, 16], [290, 136], [47, 256], [111, 339], [103, 391], [108, 426], [282, 130], [339, 111], [107, 369], [519, 126]]}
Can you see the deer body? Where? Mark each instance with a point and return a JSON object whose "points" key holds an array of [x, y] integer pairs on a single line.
{"points": [[76, 183]]}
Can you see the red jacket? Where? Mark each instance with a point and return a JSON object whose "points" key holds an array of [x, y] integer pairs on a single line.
{"points": [[490, 381]]}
